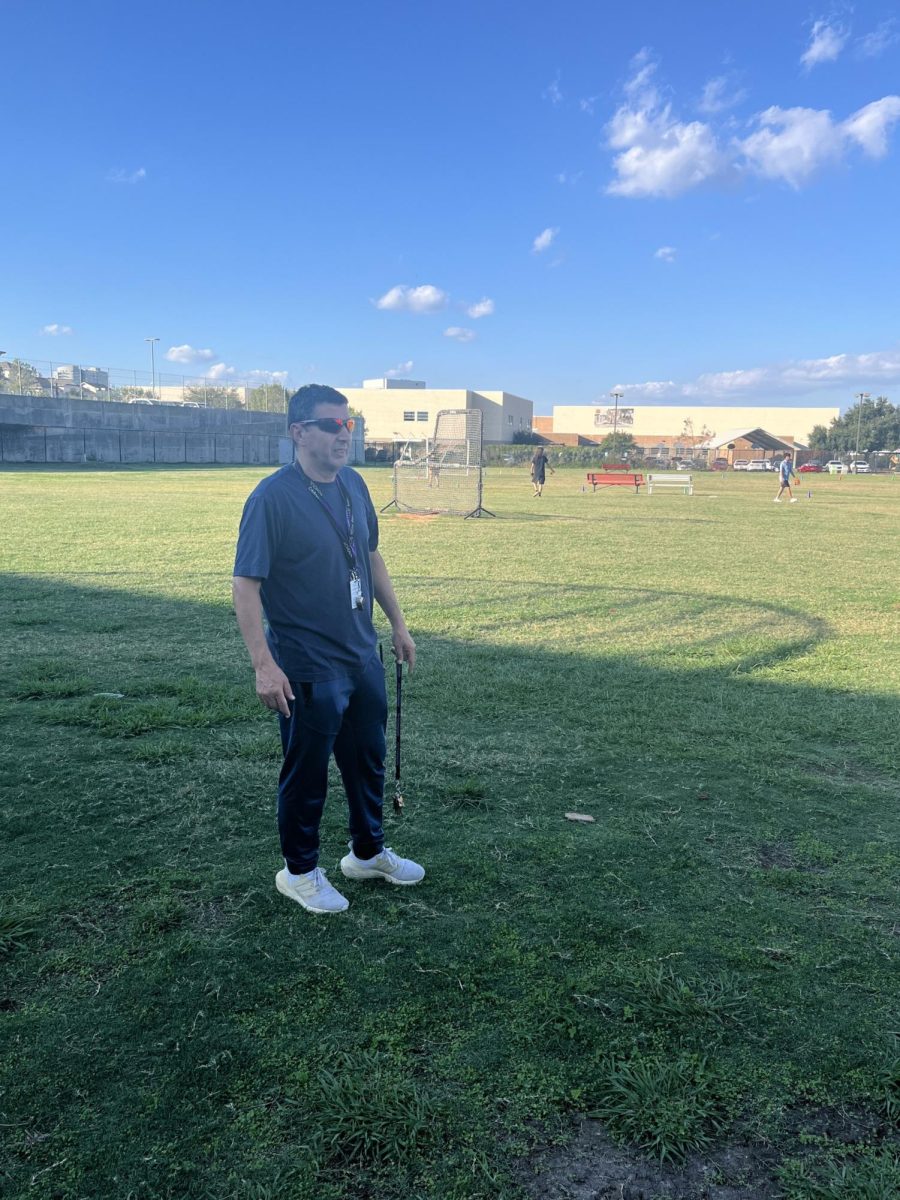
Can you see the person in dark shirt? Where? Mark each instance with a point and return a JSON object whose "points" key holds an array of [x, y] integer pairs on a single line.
{"points": [[539, 465], [307, 559]]}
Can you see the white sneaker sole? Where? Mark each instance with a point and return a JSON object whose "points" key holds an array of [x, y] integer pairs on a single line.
{"points": [[288, 891], [355, 873]]}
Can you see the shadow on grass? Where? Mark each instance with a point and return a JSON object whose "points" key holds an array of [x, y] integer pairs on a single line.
{"points": [[196, 1013]]}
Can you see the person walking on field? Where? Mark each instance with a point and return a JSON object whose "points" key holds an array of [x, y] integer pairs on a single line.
{"points": [[785, 471], [308, 560], [540, 464]]}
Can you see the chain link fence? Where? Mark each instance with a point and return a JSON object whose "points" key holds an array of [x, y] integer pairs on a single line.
{"points": [[44, 377]]}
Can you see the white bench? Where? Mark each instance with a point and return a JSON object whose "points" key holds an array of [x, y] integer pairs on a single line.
{"points": [[684, 483]]}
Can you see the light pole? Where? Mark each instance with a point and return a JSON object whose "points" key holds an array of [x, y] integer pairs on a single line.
{"points": [[152, 342], [617, 396], [861, 397]]}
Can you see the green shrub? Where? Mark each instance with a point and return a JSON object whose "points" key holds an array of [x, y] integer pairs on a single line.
{"points": [[669, 1108]]}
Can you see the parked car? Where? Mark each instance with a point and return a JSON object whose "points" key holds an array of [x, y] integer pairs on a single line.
{"points": [[834, 466], [812, 465], [859, 468], [141, 400], [686, 465], [719, 464], [757, 464], [740, 464]]}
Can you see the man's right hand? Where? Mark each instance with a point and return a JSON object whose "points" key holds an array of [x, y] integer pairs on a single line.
{"points": [[274, 689]]}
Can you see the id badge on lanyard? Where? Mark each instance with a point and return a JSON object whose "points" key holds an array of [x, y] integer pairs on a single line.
{"points": [[357, 599]]}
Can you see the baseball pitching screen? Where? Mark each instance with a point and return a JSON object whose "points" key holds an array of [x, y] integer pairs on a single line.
{"points": [[448, 479]]}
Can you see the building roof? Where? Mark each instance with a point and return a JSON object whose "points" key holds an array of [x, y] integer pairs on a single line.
{"points": [[760, 439]]}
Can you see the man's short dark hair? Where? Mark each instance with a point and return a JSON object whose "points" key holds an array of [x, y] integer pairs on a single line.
{"points": [[306, 400]]}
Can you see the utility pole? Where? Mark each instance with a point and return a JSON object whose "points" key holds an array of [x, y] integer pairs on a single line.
{"points": [[617, 396], [860, 396], [152, 342]]}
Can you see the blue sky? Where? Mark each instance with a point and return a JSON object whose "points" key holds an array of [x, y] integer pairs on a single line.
{"points": [[694, 201]]}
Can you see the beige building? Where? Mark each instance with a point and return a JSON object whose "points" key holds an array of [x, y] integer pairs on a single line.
{"points": [[667, 425], [407, 413]]}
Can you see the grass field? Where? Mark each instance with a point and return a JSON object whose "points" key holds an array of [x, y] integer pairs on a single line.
{"points": [[708, 972]]}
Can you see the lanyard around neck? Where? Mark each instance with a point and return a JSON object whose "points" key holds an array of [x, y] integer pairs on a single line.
{"points": [[346, 538]]}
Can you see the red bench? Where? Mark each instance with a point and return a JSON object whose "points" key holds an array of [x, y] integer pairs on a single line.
{"points": [[612, 478]]}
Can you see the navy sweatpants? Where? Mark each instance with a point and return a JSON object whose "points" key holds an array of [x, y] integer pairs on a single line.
{"points": [[346, 717]]}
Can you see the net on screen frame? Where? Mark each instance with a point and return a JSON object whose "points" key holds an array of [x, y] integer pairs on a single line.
{"points": [[448, 479]]}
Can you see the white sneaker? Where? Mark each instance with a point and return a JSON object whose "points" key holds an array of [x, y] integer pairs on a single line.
{"points": [[793, 499], [777, 500], [387, 865], [313, 891]]}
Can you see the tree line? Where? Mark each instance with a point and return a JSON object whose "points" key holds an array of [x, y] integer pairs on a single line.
{"points": [[868, 426]]}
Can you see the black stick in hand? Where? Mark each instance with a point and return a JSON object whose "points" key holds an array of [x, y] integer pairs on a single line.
{"points": [[398, 795]]}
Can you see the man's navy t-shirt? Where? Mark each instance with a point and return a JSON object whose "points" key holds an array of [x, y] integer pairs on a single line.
{"points": [[287, 541]]}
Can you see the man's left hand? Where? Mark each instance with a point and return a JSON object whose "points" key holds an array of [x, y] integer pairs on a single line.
{"points": [[404, 647]]}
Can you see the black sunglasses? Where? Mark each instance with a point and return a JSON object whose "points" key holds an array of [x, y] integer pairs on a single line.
{"points": [[331, 424]]}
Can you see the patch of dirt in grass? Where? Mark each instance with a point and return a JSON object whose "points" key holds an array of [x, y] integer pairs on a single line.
{"points": [[846, 1126], [776, 854], [210, 915], [593, 1167]]}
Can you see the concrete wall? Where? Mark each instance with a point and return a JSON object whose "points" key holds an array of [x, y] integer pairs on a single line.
{"points": [[37, 429]]}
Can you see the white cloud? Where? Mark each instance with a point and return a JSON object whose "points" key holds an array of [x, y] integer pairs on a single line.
{"points": [[460, 335], [219, 371], [666, 254], [872, 44], [544, 240], [484, 308], [423, 299], [569, 177], [552, 92], [659, 155], [869, 125], [400, 371], [826, 41], [586, 104], [794, 378], [187, 354], [720, 94], [793, 143], [267, 376], [120, 175], [56, 330]]}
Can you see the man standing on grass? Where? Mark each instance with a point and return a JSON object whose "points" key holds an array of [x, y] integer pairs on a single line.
{"points": [[539, 464], [307, 558], [785, 471]]}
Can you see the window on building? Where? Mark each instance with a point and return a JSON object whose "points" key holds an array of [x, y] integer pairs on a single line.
{"points": [[409, 416], [510, 419], [422, 416]]}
